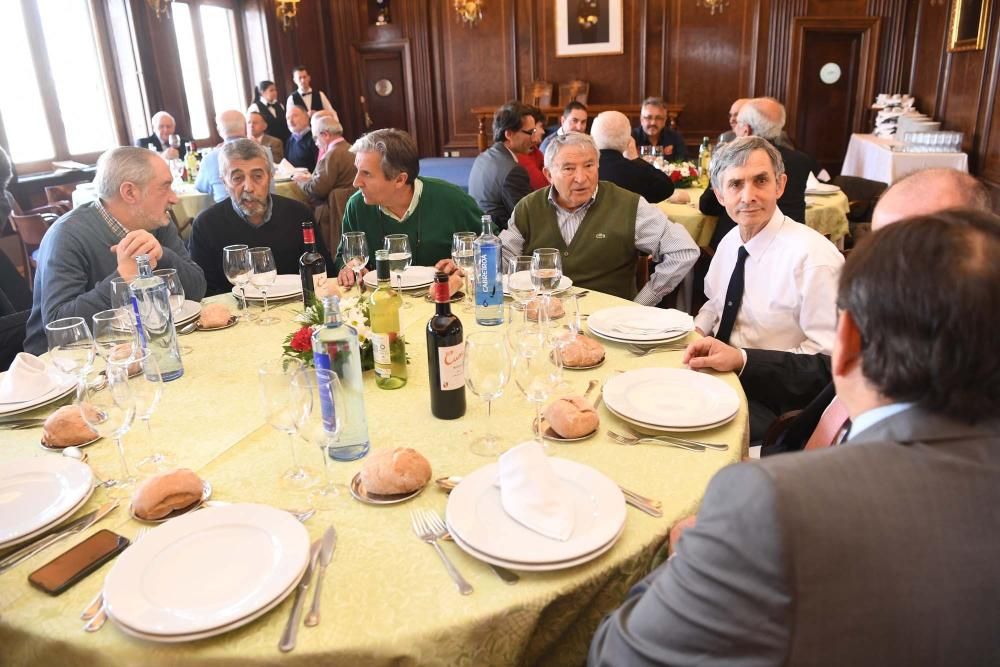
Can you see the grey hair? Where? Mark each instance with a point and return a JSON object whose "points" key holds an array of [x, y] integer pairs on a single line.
{"points": [[561, 141], [327, 122], [398, 151], [654, 102], [611, 129], [762, 124], [243, 149], [228, 126], [158, 115], [124, 164], [736, 153]]}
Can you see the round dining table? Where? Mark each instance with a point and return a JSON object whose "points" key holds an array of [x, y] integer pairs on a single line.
{"points": [[386, 599]]}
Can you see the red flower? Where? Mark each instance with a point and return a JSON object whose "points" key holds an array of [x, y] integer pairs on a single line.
{"points": [[675, 175], [302, 340]]}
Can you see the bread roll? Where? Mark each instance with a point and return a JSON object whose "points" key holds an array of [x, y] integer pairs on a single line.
{"points": [[582, 352], [160, 495], [66, 428], [123, 352], [213, 316], [391, 471], [572, 417], [555, 309]]}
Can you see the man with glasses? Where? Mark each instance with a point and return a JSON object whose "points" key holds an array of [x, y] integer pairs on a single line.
{"points": [[653, 131], [497, 182]]}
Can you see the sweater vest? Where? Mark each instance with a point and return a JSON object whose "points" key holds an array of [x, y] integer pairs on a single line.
{"points": [[315, 102], [602, 254], [277, 126]]}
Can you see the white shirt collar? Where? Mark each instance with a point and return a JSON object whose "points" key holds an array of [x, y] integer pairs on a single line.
{"points": [[869, 418], [418, 187], [759, 243]]}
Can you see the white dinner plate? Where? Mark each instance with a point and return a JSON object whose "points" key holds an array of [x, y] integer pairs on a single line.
{"points": [[537, 567], [642, 324], [524, 278], [413, 277], [207, 569], [285, 285], [477, 517], [652, 429], [822, 189], [62, 385], [36, 493], [667, 339], [189, 312], [671, 397], [46, 528]]}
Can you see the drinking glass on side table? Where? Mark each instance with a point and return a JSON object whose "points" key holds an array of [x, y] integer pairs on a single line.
{"points": [[236, 264], [487, 371]]}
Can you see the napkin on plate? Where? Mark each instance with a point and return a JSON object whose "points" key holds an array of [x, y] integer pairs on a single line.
{"points": [[812, 183], [532, 494], [27, 379]]}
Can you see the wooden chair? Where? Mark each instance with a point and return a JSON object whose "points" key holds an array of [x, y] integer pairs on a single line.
{"points": [[337, 201], [30, 229], [862, 195], [60, 195], [537, 93], [642, 270], [575, 90], [47, 209]]}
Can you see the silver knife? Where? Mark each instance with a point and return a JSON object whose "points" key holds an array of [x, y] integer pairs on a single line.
{"points": [[329, 543], [287, 642], [80, 525]]}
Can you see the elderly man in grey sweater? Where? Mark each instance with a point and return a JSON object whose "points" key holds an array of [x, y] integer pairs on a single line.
{"points": [[97, 242]]}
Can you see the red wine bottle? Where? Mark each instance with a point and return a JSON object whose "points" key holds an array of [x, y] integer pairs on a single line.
{"points": [[312, 266], [445, 354]]}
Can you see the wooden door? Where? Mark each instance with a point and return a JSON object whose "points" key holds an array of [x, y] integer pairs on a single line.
{"points": [[386, 83], [830, 84]]}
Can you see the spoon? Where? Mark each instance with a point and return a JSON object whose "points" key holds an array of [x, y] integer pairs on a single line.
{"points": [[188, 328], [81, 456]]}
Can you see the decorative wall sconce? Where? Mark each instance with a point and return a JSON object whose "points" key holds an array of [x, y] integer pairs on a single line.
{"points": [[287, 10], [713, 5], [470, 12], [161, 7]]}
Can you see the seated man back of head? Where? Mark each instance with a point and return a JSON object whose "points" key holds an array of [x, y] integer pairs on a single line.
{"points": [[98, 241], [231, 125], [611, 133]]}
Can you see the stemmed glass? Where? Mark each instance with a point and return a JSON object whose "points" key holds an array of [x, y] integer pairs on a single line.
{"points": [[546, 269], [320, 397], [537, 373], [108, 407], [175, 294], [114, 334], [400, 258], [463, 253], [263, 276], [355, 254], [519, 282], [71, 345], [236, 264], [147, 388], [284, 413], [487, 371]]}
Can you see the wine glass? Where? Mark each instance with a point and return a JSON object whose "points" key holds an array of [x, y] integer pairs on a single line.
{"points": [[236, 264], [147, 388], [263, 276], [463, 253], [71, 345], [537, 372], [175, 295], [108, 407], [546, 269], [400, 258], [487, 370], [174, 141], [519, 282], [320, 396], [355, 254], [646, 153], [284, 413], [114, 334]]}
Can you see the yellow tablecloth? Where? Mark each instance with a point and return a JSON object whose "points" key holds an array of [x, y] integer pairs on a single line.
{"points": [[387, 600], [827, 214]]}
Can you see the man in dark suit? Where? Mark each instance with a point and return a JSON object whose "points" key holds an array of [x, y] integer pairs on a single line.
{"points": [[497, 182], [163, 126], [653, 131], [879, 552], [300, 148], [611, 132]]}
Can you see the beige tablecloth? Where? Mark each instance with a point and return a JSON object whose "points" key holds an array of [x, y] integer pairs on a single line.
{"points": [[387, 600], [872, 157]]}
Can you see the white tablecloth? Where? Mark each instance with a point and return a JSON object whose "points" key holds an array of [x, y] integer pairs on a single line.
{"points": [[871, 157]]}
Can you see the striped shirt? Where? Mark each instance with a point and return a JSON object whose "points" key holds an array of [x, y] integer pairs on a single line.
{"points": [[116, 227]]}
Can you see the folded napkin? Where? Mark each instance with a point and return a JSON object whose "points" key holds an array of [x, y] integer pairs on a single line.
{"points": [[532, 494], [812, 182], [27, 379]]}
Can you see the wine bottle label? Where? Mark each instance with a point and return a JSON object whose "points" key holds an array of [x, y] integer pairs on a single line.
{"points": [[451, 366], [308, 235], [319, 279], [380, 349]]}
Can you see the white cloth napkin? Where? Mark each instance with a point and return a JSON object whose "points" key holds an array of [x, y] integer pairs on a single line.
{"points": [[812, 183], [284, 169], [532, 494], [27, 379]]}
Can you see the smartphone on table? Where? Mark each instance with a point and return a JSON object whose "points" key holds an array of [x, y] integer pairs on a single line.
{"points": [[63, 571]]}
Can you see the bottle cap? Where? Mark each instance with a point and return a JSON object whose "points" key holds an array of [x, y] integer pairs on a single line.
{"points": [[440, 290]]}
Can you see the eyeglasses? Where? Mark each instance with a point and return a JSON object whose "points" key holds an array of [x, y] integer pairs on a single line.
{"points": [[528, 132], [654, 118]]}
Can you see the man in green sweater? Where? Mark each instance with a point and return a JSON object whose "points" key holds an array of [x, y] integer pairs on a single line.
{"points": [[393, 200]]}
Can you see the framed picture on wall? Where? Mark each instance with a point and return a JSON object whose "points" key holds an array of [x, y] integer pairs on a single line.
{"points": [[968, 27], [588, 28]]}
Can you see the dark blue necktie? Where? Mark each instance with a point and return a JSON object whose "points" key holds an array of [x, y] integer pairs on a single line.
{"points": [[734, 297]]}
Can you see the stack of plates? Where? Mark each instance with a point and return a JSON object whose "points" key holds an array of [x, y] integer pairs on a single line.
{"points": [[822, 189], [481, 527], [61, 385], [189, 313], [414, 277], [37, 494], [285, 286], [523, 278], [206, 573], [640, 324], [671, 399]]}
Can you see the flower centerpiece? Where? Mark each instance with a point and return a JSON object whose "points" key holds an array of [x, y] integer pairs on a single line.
{"points": [[353, 312], [683, 174]]}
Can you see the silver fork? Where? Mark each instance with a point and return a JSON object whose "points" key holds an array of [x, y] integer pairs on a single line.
{"points": [[629, 440], [664, 438], [641, 351], [96, 613], [423, 530], [439, 527]]}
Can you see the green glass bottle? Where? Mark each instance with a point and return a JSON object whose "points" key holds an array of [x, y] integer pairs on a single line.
{"points": [[704, 162], [388, 346]]}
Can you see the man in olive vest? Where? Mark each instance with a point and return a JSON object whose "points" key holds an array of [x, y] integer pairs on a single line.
{"points": [[599, 227]]}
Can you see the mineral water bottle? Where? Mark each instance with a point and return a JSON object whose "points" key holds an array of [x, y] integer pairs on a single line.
{"points": [[155, 320], [488, 283]]}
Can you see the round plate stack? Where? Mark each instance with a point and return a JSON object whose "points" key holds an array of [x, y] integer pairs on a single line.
{"points": [[189, 313], [640, 324], [39, 493], [415, 277], [286, 286], [671, 399]]}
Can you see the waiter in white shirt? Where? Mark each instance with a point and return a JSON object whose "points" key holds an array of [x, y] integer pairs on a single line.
{"points": [[304, 96], [773, 282]]}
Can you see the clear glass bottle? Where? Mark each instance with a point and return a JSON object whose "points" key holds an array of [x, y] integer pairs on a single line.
{"points": [[155, 320], [335, 348], [488, 282], [388, 345]]}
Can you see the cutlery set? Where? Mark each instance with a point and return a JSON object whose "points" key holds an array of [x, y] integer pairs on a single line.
{"points": [[319, 558], [666, 440], [72, 528]]}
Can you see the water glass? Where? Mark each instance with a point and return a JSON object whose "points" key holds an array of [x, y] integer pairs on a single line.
{"points": [[546, 269], [321, 398], [114, 334], [537, 373], [263, 276], [71, 345], [519, 282], [355, 254], [236, 264], [400, 258], [108, 407], [463, 251], [646, 153], [147, 389], [283, 410], [487, 371]]}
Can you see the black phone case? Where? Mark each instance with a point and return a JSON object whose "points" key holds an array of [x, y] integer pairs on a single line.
{"points": [[70, 581]]}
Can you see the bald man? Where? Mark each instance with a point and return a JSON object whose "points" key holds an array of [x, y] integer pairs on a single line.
{"points": [[779, 382], [734, 110], [231, 125], [611, 132]]}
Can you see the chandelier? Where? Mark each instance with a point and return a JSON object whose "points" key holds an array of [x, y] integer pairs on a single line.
{"points": [[470, 12], [287, 10], [713, 5], [161, 7]]}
